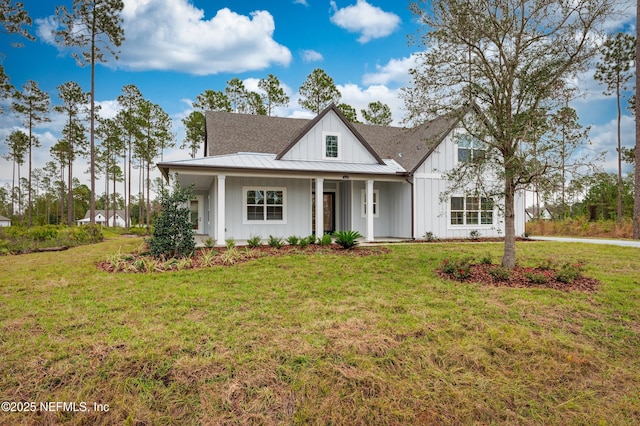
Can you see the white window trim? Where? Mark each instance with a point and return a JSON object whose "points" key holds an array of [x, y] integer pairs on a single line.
{"points": [[472, 148], [470, 226], [363, 202], [246, 221], [324, 146]]}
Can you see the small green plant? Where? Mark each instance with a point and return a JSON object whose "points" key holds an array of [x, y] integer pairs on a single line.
{"points": [[231, 256], [431, 237], [312, 239], [254, 241], [293, 240], [275, 242], [208, 242], [325, 240], [459, 268], [347, 239], [208, 257], [499, 273], [304, 242], [568, 272], [537, 277], [230, 243], [548, 264], [486, 259], [474, 235]]}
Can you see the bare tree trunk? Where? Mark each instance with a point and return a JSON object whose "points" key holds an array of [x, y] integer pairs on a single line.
{"points": [[509, 257], [70, 195]]}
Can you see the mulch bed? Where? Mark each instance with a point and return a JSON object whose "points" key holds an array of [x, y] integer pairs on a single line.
{"points": [[197, 260], [517, 279]]}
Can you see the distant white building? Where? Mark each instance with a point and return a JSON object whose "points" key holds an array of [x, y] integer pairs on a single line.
{"points": [[101, 218], [5, 221]]}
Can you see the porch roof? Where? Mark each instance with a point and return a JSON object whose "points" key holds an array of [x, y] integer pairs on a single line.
{"points": [[251, 161]]}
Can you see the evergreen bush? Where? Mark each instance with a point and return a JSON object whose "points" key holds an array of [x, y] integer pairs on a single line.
{"points": [[173, 232]]}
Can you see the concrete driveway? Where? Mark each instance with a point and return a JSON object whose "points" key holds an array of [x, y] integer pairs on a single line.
{"points": [[623, 243]]}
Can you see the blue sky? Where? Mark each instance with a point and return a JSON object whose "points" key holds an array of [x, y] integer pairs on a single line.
{"points": [[176, 49]]}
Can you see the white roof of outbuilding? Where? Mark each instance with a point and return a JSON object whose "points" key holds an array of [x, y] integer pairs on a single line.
{"points": [[259, 161]]}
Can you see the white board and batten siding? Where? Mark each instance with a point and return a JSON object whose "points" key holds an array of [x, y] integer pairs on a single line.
{"points": [[393, 218], [433, 214], [310, 147], [297, 207]]}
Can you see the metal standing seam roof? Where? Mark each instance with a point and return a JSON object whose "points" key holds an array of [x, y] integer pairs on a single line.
{"points": [[260, 161]]}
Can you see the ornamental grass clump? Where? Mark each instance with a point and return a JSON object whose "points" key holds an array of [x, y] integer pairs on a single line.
{"points": [[568, 272]]}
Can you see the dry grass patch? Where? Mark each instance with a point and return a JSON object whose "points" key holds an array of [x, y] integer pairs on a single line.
{"points": [[320, 338]]}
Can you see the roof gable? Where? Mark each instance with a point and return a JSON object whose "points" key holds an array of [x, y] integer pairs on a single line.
{"points": [[331, 110]]}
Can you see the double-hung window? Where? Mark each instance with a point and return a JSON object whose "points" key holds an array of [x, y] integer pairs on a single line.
{"points": [[469, 148], [331, 146], [264, 205], [471, 211]]}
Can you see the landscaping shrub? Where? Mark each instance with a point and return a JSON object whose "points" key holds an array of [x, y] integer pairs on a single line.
{"points": [[254, 241], [275, 242], [499, 273], [537, 277], [347, 239], [304, 242], [173, 232], [325, 240], [474, 235], [430, 236], [459, 268], [569, 272], [293, 240]]}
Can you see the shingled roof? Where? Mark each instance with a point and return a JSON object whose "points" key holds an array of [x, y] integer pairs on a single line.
{"points": [[231, 133]]}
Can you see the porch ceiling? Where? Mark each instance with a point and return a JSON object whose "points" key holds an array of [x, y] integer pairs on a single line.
{"points": [[199, 182]]}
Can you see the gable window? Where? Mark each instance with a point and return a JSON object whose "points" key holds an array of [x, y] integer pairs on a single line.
{"points": [[471, 211], [264, 205], [363, 203], [331, 146], [470, 148]]}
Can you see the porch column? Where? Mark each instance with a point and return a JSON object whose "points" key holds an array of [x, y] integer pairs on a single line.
{"points": [[221, 237], [370, 210], [319, 207]]}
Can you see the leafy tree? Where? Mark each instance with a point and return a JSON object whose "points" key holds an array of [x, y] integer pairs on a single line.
{"points": [[275, 95], [94, 25], [618, 55], [13, 20], [17, 143], [74, 105], [636, 107], [128, 121], [349, 112], [255, 104], [507, 59], [33, 104], [237, 95], [194, 132], [155, 134], [194, 123], [173, 231], [377, 113], [211, 100], [112, 144], [318, 92]]}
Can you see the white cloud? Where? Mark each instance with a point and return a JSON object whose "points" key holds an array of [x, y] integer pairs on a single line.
{"points": [[359, 98], [367, 20], [311, 56], [173, 35], [302, 2], [396, 70]]}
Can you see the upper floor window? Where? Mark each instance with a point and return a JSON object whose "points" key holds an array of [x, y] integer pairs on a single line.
{"points": [[471, 211], [331, 148], [470, 148]]}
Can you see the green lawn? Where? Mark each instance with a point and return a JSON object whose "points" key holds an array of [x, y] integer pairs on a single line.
{"points": [[320, 339]]}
